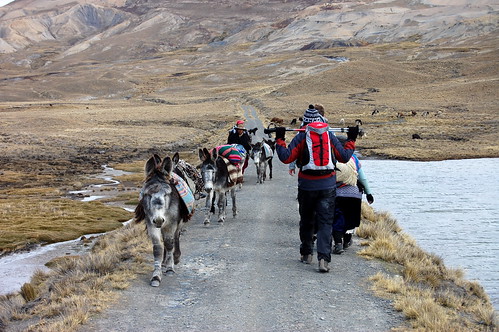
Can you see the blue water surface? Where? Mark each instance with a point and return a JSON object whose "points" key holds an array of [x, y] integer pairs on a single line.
{"points": [[451, 208]]}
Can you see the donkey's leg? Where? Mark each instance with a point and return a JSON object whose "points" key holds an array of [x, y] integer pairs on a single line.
{"points": [[270, 168], [234, 207], [176, 250], [165, 257], [264, 171], [210, 206], [169, 247], [222, 204], [158, 252]]}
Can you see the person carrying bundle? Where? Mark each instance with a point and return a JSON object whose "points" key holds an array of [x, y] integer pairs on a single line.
{"points": [[316, 149], [351, 184]]}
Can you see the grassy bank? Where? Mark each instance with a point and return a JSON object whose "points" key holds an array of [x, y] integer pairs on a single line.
{"points": [[33, 216], [77, 287], [432, 297]]}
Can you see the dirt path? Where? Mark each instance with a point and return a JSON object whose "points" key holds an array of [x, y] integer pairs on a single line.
{"points": [[246, 275]]}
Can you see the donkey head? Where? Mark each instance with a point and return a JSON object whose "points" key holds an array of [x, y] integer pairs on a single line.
{"points": [[157, 191], [256, 152], [208, 167]]}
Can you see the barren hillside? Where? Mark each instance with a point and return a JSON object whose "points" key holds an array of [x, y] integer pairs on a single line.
{"points": [[427, 67]]}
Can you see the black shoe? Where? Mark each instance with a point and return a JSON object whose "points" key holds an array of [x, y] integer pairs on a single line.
{"points": [[338, 249], [347, 240]]}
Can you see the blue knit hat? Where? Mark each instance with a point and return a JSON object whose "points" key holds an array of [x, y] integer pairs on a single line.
{"points": [[312, 115]]}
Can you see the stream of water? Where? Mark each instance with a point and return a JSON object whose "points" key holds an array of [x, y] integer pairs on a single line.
{"points": [[451, 208]]}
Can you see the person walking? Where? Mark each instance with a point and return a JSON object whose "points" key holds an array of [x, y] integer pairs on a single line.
{"points": [[316, 191], [239, 135], [321, 118], [351, 183]]}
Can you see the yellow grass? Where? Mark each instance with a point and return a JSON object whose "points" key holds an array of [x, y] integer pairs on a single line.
{"points": [[80, 286], [27, 220], [431, 296]]}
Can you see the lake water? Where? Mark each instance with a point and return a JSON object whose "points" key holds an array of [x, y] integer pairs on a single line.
{"points": [[451, 208]]}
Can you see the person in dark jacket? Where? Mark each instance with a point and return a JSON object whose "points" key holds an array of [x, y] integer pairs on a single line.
{"points": [[239, 135], [316, 193]]}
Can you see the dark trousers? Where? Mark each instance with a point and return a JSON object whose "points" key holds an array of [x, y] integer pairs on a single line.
{"points": [[316, 208], [347, 216]]}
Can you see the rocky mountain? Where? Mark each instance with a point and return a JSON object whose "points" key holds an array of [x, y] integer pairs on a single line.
{"points": [[41, 37], [158, 26]]}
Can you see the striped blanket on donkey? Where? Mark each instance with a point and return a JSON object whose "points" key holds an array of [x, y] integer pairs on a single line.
{"points": [[234, 156], [185, 193]]}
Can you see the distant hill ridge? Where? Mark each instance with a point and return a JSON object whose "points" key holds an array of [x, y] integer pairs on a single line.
{"points": [[136, 28]]}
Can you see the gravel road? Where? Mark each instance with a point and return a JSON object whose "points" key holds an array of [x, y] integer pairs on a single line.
{"points": [[245, 275]]}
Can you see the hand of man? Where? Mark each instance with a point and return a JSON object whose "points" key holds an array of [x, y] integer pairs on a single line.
{"points": [[291, 171], [352, 133], [370, 198], [280, 132]]}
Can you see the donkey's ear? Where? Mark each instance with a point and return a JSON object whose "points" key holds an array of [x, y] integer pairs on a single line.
{"points": [[157, 158], [201, 154], [151, 165], [206, 153], [214, 153], [175, 158], [167, 166]]}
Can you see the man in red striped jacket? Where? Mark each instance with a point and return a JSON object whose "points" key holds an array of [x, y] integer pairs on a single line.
{"points": [[316, 193]]}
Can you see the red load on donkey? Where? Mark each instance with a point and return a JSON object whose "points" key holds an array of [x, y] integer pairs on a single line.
{"points": [[234, 156]]}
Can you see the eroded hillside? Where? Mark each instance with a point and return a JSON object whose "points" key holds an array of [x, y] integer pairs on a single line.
{"points": [[427, 67]]}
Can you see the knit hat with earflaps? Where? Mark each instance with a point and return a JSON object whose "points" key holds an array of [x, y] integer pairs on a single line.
{"points": [[312, 115]]}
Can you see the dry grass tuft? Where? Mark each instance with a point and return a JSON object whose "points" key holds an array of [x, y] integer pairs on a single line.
{"points": [[77, 287], [28, 292], [433, 297]]}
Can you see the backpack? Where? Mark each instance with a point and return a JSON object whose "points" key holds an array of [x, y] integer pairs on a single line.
{"points": [[347, 172], [318, 157]]}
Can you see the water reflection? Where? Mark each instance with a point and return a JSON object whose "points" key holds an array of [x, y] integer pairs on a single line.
{"points": [[449, 207]]}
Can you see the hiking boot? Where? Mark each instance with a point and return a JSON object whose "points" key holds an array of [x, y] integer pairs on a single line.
{"points": [[307, 259], [323, 266], [338, 249], [347, 240]]}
